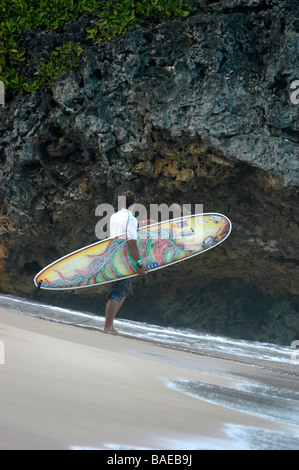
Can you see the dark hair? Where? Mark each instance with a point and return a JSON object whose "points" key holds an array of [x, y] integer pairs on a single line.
{"points": [[130, 198]]}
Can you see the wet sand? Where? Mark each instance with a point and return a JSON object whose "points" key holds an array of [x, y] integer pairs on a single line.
{"points": [[65, 387]]}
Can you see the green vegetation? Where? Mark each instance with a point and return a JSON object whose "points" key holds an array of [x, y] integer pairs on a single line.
{"points": [[111, 18]]}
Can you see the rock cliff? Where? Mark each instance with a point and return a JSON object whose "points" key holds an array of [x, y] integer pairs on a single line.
{"points": [[193, 110]]}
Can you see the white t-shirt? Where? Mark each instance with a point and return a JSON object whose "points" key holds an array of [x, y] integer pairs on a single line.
{"points": [[123, 223]]}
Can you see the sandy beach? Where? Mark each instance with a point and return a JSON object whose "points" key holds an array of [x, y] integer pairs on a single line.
{"points": [[65, 387]]}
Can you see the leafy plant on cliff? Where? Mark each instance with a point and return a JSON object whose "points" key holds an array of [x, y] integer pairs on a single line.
{"points": [[62, 58], [117, 17], [112, 18]]}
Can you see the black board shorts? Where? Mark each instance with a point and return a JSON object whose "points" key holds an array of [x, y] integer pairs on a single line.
{"points": [[120, 289]]}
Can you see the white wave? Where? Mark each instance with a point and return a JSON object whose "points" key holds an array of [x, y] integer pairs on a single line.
{"points": [[168, 336]]}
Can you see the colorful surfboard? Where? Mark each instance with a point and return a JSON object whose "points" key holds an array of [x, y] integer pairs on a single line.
{"points": [[160, 245]]}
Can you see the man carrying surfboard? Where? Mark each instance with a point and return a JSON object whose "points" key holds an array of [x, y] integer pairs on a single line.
{"points": [[123, 223]]}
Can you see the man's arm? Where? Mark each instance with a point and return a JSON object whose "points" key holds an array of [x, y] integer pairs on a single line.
{"points": [[135, 253]]}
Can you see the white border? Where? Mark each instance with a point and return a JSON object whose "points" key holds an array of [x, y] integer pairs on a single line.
{"points": [[132, 275]]}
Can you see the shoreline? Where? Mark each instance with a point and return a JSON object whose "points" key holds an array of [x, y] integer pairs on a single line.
{"points": [[69, 388], [271, 356]]}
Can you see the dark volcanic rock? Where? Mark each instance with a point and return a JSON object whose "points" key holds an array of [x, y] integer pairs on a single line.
{"points": [[189, 111]]}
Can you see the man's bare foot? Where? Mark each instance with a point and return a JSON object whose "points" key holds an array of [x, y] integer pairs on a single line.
{"points": [[112, 331]]}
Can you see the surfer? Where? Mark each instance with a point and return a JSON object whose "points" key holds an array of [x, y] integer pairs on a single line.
{"points": [[123, 222]]}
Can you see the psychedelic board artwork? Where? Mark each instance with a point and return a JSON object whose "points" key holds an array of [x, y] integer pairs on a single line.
{"points": [[160, 245]]}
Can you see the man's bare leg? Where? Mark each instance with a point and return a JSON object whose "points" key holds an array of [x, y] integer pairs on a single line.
{"points": [[112, 308]]}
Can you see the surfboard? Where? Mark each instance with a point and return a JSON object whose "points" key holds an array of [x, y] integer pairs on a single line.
{"points": [[160, 245]]}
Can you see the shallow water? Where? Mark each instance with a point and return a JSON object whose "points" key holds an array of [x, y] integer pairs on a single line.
{"points": [[257, 399], [266, 354], [276, 402]]}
